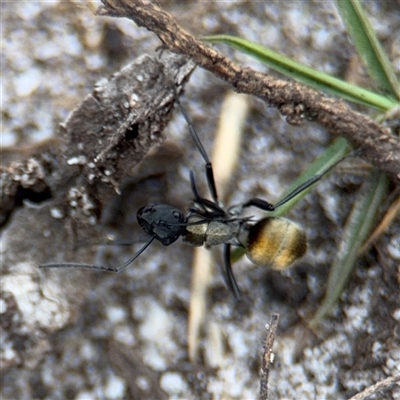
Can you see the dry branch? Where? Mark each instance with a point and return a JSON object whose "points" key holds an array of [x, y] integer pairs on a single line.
{"points": [[267, 355], [378, 387], [294, 100]]}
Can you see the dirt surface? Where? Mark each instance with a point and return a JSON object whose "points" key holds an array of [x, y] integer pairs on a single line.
{"points": [[78, 334]]}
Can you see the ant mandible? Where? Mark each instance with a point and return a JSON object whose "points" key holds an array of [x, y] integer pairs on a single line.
{"points": [[271, 241]]}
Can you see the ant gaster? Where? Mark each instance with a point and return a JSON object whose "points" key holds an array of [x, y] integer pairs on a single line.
{"points": [[270, 241]]}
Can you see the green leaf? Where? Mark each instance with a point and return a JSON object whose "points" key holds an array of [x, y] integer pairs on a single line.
{"points": [[356, 231], [304, 74], [368, 46]]}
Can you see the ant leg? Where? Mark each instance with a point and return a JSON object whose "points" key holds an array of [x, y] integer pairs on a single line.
{"points": [[264, 205], [209, 170], [300, 189], [99, 268], [228, 274], [203, 203], [259, 203], [194, 188], [309, 182]]}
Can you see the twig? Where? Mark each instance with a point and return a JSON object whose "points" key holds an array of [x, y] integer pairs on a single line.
{"points": [[294, 100], [267, 355], [374, 388]]}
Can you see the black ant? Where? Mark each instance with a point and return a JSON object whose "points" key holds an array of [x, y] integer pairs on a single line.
{"points": [[270, 241]]}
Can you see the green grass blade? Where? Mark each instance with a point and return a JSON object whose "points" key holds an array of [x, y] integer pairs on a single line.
{"points": [[304, 74], [368, 46], [356, 231]]}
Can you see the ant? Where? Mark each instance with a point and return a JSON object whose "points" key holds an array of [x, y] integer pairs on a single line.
{"points": [[271, 241]]}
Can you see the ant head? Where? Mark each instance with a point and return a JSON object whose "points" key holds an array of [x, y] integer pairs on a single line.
{"points": [[162, 221], [275, 242]]}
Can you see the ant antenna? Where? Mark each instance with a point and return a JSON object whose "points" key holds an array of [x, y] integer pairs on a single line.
{"points": [[99, 268]]}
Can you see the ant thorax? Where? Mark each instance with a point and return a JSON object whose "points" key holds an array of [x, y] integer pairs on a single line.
{"points": [[210, 225]]}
